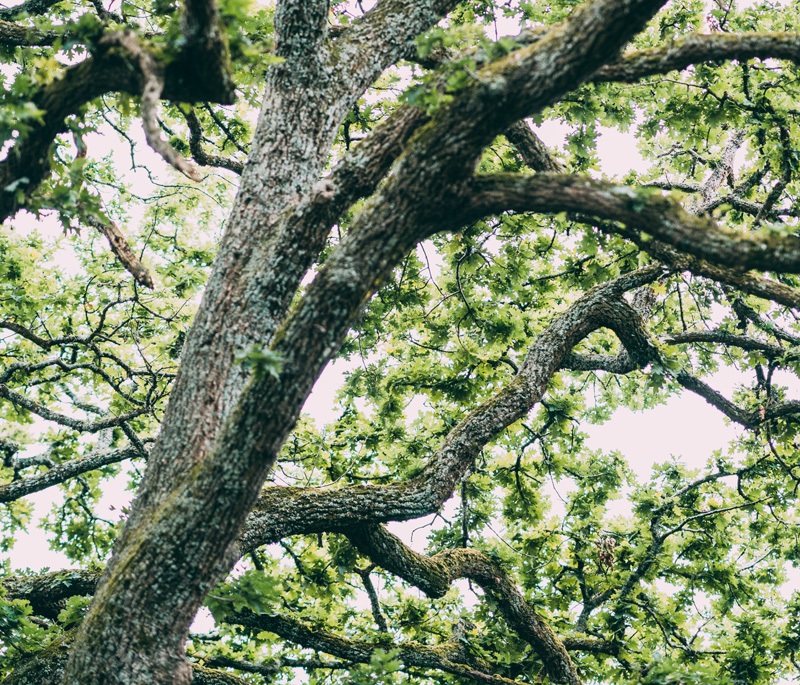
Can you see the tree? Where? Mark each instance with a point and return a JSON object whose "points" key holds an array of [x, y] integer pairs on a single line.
{"points": [[388, 136]]}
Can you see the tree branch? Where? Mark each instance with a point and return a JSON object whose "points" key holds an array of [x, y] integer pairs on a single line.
{"points": [[47, 592], [744, 342], [282, 511], [275, 666], [199, 154], [64, 471], [412, 654], [17, 34], [122, 249], [47, 666], [380, 37], [369, 587], [622, 363], [700, 48], [646, 216], [300, 29], [709, 189], [111, 70], [204, 61], [434, 575], [748, 419], [531, 148], [30, 7], [748, 282], [151, 93], [64, 420]]}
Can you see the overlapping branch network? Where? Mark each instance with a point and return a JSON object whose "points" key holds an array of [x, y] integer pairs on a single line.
{"points": [[434, 168], [50, 379], [355, 511]]}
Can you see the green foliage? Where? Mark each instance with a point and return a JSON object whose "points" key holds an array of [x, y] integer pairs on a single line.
{"points": [[253, 590], [74, 611], [692, 561], [381, 668], [19, 633], [261, 362]]}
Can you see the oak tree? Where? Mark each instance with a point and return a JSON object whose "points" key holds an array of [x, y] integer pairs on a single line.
{"points": [[249, 191]]}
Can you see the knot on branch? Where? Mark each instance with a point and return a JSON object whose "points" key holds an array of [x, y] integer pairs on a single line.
{"points": [[627, 321]]}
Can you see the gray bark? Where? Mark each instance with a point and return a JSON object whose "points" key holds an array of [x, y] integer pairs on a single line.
{"points": [[218, 441], [201, 504]]}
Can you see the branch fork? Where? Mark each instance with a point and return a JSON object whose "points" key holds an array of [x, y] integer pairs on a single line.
{"points": [[153, 76]]}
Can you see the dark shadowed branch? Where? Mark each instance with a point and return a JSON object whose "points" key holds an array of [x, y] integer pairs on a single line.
{"points": [[646, 216], [435, 574]]}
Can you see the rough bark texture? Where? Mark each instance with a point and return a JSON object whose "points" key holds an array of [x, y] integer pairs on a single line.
{"points": [[201, 504]]}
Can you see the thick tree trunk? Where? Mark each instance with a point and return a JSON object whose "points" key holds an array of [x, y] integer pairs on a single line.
{"points": [[182, 541], [219, 442], [185, 541]]}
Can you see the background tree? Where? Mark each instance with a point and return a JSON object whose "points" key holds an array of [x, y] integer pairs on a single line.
{"points": [[390, 204]]}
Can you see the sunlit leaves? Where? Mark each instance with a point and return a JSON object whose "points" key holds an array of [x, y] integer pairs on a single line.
{"points": [[678, 573]]}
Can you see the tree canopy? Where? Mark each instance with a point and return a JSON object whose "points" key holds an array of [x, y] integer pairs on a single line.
{"points": [[242, 192]]}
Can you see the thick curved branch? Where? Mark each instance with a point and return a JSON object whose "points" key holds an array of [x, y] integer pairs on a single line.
{"points": [[626, 361], [434, 575], [282, 511], [47, 592], [700, 48], [26, 163], [16, 34], [27, 7], [748, 282], [412, 654], [64, 471], [646, 216], [275, 666], [638, 349], [622, 363]]}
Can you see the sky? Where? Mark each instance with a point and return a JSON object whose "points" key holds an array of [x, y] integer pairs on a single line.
{"points": [[685, 427], [644, 438]]}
